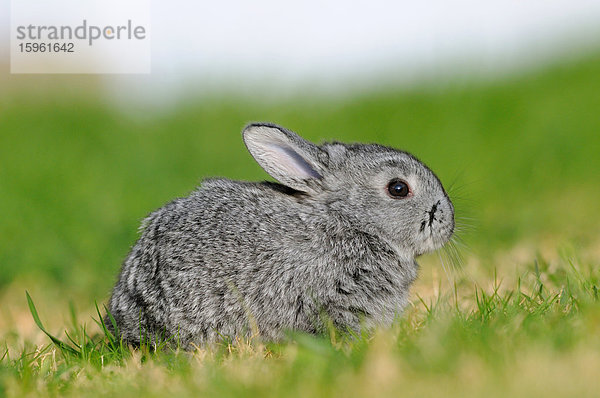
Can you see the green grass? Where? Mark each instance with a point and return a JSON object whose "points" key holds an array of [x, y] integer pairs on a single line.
{"points": [[537, 336], [521, 318]]}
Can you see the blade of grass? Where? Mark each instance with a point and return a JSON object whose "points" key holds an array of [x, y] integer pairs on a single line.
{"points": [[72, 340], [111, 338], [112, 321], [61, 345]]}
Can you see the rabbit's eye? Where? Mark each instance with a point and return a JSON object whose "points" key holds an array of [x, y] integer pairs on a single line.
{"points": [[398, 189]]}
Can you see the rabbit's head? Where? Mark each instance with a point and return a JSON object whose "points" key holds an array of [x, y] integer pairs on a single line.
{"points": [[383, 191]]}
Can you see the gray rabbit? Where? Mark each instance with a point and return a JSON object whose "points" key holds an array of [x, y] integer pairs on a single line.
{"points": [[334, 242]]}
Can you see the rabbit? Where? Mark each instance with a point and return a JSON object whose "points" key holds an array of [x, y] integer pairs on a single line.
{"points": [[333, 243]]}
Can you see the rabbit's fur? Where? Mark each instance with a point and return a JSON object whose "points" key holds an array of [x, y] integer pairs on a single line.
{"points": [[328, 244]]}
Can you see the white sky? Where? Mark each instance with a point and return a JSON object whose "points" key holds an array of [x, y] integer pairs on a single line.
{"points": [[330, 43]]}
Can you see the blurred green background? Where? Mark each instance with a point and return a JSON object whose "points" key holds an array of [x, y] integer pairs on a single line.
{"points": [[77, 174]]}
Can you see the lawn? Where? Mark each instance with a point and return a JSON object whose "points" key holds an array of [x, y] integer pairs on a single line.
{"points": [[518, 316]]}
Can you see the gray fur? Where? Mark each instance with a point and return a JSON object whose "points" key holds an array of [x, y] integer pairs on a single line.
{"points": [[234, 258]]}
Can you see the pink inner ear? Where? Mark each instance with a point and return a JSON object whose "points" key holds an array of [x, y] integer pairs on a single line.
{"points": [[290, 163]]}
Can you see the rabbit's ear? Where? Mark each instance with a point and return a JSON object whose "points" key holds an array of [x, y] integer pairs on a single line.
{"points": [[286, 156]]}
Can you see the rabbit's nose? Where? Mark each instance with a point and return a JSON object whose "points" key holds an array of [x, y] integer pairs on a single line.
{"points": [[432, 212]]}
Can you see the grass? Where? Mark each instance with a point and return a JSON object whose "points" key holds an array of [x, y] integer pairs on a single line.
{"points": [[521, 318], [537, 336]]}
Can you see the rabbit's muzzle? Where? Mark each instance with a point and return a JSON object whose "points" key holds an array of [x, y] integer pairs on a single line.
{"points": [[437, 225]]}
